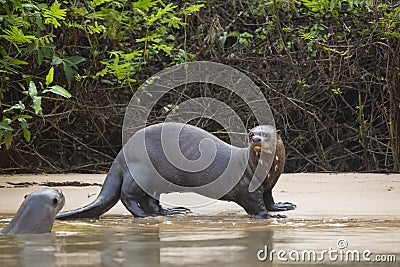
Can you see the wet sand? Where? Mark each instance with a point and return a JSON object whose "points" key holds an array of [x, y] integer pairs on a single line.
{"points": [[317, 195]]}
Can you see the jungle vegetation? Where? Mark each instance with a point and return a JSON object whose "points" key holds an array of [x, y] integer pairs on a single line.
{"points": [[330, 70]]}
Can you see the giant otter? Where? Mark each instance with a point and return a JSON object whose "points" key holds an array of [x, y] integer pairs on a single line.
{"points": [[145, 150], [37, 213]]}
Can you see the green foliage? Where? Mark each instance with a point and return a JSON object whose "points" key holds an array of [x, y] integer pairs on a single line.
{"points": [[333, 65], [111, 40], [24, 34], [389, 23], [17, 36], [53, 14], [36, 100], [243, 38], [157, 21], [121, 65], [68, 64]]}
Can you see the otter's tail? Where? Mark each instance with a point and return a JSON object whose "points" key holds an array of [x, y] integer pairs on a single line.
{"points": [[109, 195]]}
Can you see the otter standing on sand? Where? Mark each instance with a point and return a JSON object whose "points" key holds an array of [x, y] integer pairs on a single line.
{"points": [[144, 158], [37, 213]]}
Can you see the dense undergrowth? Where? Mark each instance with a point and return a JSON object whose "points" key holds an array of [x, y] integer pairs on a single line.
{"points": [[329, 68]]}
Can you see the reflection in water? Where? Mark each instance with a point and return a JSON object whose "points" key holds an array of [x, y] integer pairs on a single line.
{"points": [[28, 250], [192, 240]]}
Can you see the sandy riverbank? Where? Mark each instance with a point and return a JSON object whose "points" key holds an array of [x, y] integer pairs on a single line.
{"points": [[316, 195]]}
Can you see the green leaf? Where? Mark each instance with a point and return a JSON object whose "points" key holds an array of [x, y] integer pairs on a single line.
{"points": [[166, 48], [22, 116], [144, 4], [24, 126], [54, 14], [36, 100], [192, 9], [148, 37], [17, 36], [173, 22], [74, 60], [160, 13], [67, 72], [40, 57], [15, 62], [50, 76], [56, 60], [95, 3], [20, 106], [8, 139], [5, 126], [27, 135], [32, 89], [56, 89], [37, 105]]}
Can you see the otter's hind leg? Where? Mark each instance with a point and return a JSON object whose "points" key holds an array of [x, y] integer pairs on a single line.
{"points": [[279, 206], [131, 196], [133, 207], [152, 207], [175, 211]]}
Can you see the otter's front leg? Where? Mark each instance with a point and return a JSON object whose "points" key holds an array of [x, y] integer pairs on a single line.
{"points": [[280, 206], [254, 205]]}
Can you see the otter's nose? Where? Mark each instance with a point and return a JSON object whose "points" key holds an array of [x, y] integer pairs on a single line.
{"points": [[256, 139]]}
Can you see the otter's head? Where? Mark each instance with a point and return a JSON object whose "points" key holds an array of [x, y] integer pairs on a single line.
{"points": [[263, 139], [37, 213]]}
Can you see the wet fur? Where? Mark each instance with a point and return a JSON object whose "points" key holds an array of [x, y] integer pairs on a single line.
{"points": [[120, 185]]}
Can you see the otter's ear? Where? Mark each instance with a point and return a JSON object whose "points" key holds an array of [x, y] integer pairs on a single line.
{"points": [[278, 132], [25, 196]]}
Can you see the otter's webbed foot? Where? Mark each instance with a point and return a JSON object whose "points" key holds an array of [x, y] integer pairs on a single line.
{"points": [[266, 215], [175, 211], [282, 206]]}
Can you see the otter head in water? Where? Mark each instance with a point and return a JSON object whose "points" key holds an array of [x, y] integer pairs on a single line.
{"points": [[37, 213]]}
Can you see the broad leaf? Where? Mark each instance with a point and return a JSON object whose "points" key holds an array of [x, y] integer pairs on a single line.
{"points": [[37, 105], [74, 60], [19, 106], [68, 72], [8, 139], [50, 76], [56, 89], [32, 89], [5, 126], [24, 126]]}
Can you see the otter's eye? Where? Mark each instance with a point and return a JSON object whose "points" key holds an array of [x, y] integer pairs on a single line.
{"points": [[251, 134], [25, 196], [267, 135], [55, 201]]}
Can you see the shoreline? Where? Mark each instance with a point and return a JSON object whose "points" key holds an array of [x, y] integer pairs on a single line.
{"points": [[317, 195]]}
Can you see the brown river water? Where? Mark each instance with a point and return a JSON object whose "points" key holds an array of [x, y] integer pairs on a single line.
{"points": [[196, 240]]}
